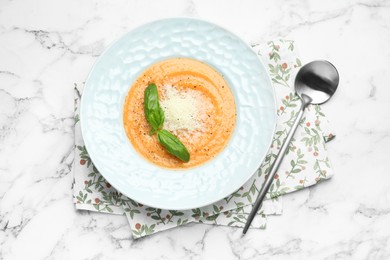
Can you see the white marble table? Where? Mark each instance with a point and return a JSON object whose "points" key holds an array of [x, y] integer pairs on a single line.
{"points": [[47, 46]]}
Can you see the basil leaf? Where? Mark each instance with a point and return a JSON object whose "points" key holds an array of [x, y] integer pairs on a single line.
{"points": [[155, 117], [173, 145], [153, 112]]}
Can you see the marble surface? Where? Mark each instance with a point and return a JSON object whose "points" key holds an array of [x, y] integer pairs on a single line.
{"points": [[47, 46]]}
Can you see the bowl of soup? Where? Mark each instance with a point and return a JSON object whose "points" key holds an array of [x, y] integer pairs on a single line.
{"points": [[215, 97], [198, 106]]}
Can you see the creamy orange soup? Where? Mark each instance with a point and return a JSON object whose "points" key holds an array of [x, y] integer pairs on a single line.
{"points": [[199, 109]]}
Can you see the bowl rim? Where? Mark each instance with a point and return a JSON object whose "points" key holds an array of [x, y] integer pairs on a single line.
{"points": [[117, 39]]}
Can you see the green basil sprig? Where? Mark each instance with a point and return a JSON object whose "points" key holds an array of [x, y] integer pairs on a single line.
{"points": [[153, 112], [173, 145], [155, 117]]}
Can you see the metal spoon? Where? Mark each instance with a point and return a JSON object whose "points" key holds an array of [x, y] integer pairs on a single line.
{"points": [[315, 83]]}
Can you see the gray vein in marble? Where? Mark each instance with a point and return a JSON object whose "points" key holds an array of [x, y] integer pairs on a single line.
{"points": [[312, 204], [65, 168], [202, 239], [190, 254], [16, 99], [77, 91], [372, 90], [9, 73], [52, 123], [348, 250], [191, 8], [234, 252], [374, 5], [290, 247], [58, 245], [325, 17], [370, 212], [21, 105], [306, 23], [54, 40]]}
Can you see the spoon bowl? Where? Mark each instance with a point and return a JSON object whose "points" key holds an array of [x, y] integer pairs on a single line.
{"points": [[317, 80]]}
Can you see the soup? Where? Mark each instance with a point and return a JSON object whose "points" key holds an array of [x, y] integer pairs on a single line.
{"points": [[199, 109]]}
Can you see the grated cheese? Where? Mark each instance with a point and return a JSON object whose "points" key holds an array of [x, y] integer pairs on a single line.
{"points": [[185, 111]]}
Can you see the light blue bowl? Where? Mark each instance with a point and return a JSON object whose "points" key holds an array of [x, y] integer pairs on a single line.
{"points": [[115, 71]]}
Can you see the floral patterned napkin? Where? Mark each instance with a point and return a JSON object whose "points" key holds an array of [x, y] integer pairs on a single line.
{"points": [[306, 163]]}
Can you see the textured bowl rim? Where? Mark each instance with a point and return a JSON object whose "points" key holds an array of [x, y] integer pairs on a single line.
{"points": [[82, 126]]}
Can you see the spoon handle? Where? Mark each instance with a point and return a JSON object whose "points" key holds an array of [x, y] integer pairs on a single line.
{"points": [[270, 178]]}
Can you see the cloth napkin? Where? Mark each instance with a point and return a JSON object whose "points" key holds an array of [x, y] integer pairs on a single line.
{"points": [[306, 162]]}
